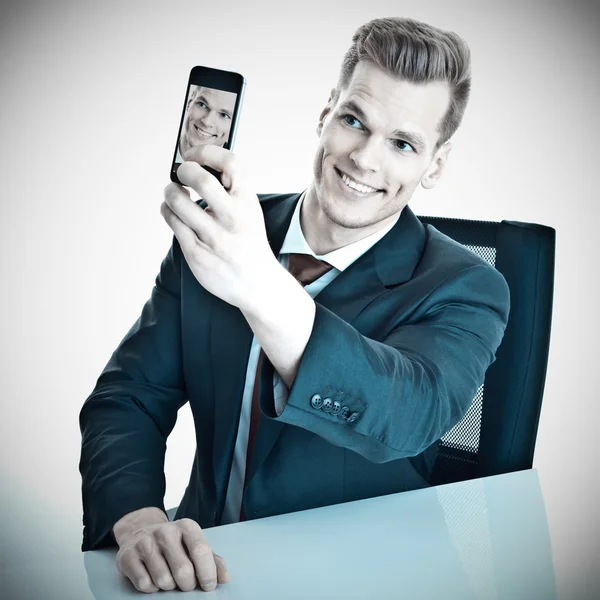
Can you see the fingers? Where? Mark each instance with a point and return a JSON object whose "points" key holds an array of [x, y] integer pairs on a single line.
{"points": [[189, 222], [171, 555], [201, 555], [157, 568], [207, 186], [221, 160], [134, 569], [222, 572]]}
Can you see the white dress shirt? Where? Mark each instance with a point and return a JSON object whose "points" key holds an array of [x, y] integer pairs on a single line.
{"points": [[340, 259]]}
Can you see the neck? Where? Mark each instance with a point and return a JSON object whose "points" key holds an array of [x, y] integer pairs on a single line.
{"points": [[324, 235]]}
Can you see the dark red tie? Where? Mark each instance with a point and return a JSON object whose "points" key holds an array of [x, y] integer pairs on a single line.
{"points": [[306, 269]]}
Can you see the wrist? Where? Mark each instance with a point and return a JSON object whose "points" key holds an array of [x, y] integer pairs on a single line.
{"points": [[271, 285], [132, 522]]}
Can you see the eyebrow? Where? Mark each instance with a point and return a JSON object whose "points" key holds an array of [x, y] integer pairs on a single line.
{"points": [[413, 138], [205, 100]]}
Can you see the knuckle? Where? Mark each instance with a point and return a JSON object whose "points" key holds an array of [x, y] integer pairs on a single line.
{"points": [[183, 571], [200, 550], [163, 535], [176, 200], [166, 212], [188, 523], [170, 190], [145, 547]]}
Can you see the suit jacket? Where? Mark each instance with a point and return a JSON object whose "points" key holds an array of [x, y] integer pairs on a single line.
{"points": [[401, 339]]}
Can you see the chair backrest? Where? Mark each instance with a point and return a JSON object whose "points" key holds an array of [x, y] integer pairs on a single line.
{"points": [[497, 434]]}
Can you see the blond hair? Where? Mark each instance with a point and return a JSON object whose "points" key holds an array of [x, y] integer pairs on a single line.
{"points": [[418, 53]]}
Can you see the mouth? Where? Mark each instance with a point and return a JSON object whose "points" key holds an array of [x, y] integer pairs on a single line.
{"points": [[360, 189], [203, 134]]}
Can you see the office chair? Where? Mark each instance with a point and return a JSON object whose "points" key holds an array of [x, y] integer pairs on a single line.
{"points": [[498, 432]]}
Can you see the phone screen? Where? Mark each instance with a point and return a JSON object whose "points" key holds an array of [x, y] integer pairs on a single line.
{"points": [[210, 112], [207, 120]]}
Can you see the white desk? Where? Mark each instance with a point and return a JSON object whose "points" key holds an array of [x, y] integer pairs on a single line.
{"points": [[480, 539]]}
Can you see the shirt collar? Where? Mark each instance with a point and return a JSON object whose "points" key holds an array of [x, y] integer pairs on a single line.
{"points": [[340, 259]]}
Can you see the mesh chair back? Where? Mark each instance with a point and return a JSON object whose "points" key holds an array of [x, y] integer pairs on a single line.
{"points": [[497, 434]]}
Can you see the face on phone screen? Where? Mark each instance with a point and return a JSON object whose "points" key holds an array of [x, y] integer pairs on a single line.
{"points": [[207, 118]]}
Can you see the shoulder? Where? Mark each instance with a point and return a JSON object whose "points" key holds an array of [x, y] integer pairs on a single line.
{"points": [[447, 257], [457, 270], [441, 249]]}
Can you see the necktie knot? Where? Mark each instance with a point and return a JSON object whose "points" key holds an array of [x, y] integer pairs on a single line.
{"points": [[306, 268]]}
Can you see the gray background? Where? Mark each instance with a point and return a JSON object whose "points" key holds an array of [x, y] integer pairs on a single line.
{"points": [[90, 101]]}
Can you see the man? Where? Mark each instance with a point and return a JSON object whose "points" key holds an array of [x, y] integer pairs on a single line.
{"points": [[207, 119], [361, 371]]}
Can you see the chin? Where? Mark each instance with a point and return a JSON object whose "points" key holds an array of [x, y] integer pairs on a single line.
{"points": [[338, 213]]}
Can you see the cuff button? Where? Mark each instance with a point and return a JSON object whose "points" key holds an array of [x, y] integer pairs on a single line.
{"points": [[327, 405], [316, 401], [337, 408]]}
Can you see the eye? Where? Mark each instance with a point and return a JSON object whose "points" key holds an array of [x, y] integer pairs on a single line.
{"points": [[225, 116], [351, 121], [403, 146], [201, 104]]}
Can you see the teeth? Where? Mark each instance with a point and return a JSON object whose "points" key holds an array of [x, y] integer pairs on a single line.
{"points": [[202, 133], [359, 187]]}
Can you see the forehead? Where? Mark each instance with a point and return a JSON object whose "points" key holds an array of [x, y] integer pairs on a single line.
{"points": [[219, 99], [393, 103]]}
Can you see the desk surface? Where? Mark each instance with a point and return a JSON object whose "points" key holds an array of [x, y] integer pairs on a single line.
{"points": [[482, 539]]}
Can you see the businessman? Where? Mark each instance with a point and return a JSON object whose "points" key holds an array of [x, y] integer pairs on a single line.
{"points": [[325, 340]]}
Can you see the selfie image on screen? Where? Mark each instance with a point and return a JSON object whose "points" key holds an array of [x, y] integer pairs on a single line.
{"points": [[207, 118]]}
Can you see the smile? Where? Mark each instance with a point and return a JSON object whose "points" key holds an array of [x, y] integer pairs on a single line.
{"points": [[361, 188], [203, 133]]}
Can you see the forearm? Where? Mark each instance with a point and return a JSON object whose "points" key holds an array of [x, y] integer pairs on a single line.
{"points": [[392, 398], [127, 418], [122, 464], [282, 320]]}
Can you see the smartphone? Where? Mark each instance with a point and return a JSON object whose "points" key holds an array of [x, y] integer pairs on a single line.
{"points": [[211, 111]]}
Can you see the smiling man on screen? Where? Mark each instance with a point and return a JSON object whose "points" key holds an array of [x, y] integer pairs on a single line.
{"points": [[207, 119], [325, 340]]}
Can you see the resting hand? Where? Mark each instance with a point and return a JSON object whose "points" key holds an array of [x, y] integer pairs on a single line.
{"points": [[163, 556], [226, 245]]}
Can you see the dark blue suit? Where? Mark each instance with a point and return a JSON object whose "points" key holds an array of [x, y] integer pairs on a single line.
{"points": [[402, 338]]}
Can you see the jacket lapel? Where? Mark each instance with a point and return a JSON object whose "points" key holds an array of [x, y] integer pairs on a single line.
{"points": [[391, 261]]}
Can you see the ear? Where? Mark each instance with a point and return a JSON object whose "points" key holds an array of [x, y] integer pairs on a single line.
{"points": [[325, 112], [436, 168]]}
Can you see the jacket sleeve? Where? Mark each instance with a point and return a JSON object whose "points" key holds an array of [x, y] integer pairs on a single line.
{"points": [[126, 420], [395, 397]]}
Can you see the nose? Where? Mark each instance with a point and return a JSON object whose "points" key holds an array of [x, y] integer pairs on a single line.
{"points": [[368, 155], [210, 119]]}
